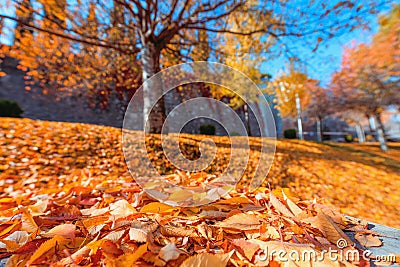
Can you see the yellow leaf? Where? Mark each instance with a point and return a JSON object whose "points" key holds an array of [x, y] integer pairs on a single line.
{"points": [[9, 228], [180, 195], [45, 247], [130, 258], [9, 245], [94, 245], [292, 206], [6, 200], [15, 240], [246, 248]]}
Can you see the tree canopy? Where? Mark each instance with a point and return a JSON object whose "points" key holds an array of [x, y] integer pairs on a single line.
{"points": [[144, 36]]}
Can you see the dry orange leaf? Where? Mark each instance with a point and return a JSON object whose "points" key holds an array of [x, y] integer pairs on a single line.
{"points": [[129, 259], [45, 247], [157, 207], [208, 259], [277, 204], [65, 230], [246, 248], [242, 221], [331, 231]]}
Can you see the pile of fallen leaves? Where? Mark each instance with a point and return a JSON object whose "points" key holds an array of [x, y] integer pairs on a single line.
{"points": [[67, 199], [116, 224]]}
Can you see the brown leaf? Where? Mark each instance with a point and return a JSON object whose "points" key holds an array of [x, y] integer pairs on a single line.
{"points": [[114, 236], [242, 221], [279, 206], [292, 206], [178, 231], [368, 241], [330, 230]]}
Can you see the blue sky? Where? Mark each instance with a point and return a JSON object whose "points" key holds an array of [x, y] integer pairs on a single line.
{"points": [[326, 60]]}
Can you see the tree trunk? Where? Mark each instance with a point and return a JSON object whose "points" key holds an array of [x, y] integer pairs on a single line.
{"points": [[380, 133], [247, 118], [360, 133], [153, 110], [372, 127], [299, 123], [379, 122], [319, 130]]}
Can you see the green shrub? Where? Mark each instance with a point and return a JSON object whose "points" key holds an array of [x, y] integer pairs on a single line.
{"points": [[207, 129], [10, 109], [290, 134], [348, 138]]}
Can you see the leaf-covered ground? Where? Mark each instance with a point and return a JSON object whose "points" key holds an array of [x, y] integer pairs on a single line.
{"points": [[67, 198]]}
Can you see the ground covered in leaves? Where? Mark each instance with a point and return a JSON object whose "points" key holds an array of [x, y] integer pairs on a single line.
{"points": [[67, 198]]}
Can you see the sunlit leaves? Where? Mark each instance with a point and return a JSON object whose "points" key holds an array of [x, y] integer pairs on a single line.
{"points": [[287, 87], [72, 201]]}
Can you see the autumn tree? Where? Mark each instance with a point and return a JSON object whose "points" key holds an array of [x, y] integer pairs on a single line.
{"points": [[368, 81], [64, 67], [155, 25], [320, 104], [290, 90], [361, 85]]}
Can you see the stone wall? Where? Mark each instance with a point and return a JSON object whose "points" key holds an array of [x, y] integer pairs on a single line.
{"points": [[54, 106]]}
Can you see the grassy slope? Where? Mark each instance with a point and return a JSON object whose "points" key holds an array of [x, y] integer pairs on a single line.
{"points": [[358, 180]]}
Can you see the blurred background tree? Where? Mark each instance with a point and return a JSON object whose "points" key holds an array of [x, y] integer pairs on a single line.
{"points": [[108, 45], [369, 79]]}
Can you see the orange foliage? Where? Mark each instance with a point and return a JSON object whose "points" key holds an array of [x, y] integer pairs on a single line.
{"points": [[67, 199]]}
